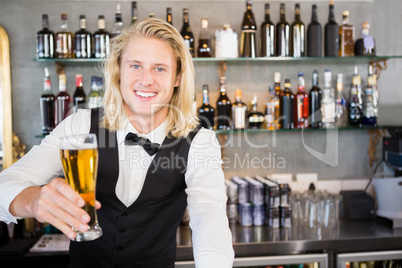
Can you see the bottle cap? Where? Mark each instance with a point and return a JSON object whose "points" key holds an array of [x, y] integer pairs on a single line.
{"points": [[345, 13], [366, 25], [277, 77], [64, 16], [78, 80], [204, 23], [238, 93], [300, 74]]}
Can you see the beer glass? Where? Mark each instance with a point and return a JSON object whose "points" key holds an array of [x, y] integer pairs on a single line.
{"points": [[79, 156]]}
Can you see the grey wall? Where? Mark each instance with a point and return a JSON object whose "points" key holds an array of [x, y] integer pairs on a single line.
{"points": [[22, 18]]}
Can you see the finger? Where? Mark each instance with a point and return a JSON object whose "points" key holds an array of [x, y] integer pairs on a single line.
{"points": [[97, 204], [65, 189]]}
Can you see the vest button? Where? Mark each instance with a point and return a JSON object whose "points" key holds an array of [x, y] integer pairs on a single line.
{"points": [[124, 214], [119, 249], [122, 231]]}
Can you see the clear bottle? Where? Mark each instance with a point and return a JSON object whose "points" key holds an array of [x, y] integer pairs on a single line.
{"points": [[223, 107], [63, 100], [118, 23], [83, 40], [272, 110], [187, 33], [282, 34], [134, 12], [314, 35], [346, 37], [355, 103], [370, 106], [267, 39], [239, 112], [297, 35], [204, 41], [47, 105], [286, 106], [248, 41], [45, 40], [341, 112], [64, 40], [169, 15], [206, 112], [301, 104], [101, 40], [365, 46], [79, 97], [255, 118], [331, 34], [315, 102], [95, 96], [328, 102]]}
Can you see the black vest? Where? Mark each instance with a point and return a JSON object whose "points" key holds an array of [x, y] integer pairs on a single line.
{"points": [[143, 234]]}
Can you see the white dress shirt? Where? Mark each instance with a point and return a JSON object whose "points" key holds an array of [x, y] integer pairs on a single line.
{"points": [[206, 197]]}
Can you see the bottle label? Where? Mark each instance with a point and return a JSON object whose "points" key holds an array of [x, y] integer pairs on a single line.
{"points": [[239, 117]]}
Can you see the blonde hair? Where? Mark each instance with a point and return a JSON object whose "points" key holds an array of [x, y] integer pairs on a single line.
{"points": [[180, 118]]}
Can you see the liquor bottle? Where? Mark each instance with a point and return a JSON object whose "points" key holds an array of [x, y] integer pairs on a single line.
{"points": [[206, 112], [204, 41], [63, 100], [272, 110], [118, 23], [341, 113], [254, 117], [355, 107], [187, 33], [282, 34], [315, 103], [152, 15], [328, 102], [267, 39], [169, 15], [95, 95], [370, 106], [277, 84], [79, 96], [286, 106], [64, 40], [101, 40], [248, 41], [223, 107], [239, 112], [83, 40], [45, 40], [297, 35], [331, 34], [47, 101], [346, 37], [134, 12], [365, 46], [314, 35], [301, 104]]}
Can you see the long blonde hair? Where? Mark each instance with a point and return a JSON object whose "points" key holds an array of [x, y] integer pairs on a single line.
{"points": [[180, 118]]}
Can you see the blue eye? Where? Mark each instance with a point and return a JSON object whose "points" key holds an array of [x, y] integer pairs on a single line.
{"points": [[160, 69], [135, 66]]}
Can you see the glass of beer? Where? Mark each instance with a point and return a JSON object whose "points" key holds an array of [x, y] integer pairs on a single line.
{"points": [[79, 156]]}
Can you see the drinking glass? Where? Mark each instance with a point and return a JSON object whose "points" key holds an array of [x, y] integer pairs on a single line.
{"points": [[79, 156]]}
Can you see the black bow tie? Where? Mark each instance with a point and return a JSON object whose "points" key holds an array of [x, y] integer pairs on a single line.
{"points": [[133, 139]]}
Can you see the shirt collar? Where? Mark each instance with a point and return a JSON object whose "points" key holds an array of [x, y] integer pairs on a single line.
{"points": [[157, 135]]}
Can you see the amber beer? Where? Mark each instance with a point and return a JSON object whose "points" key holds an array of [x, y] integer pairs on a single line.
{"points": [[79, 157]]}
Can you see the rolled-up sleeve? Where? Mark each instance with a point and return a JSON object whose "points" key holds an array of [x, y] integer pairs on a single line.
{"points": [[212, 239]]}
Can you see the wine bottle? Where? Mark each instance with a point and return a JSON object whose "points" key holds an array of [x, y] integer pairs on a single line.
{"points": [[204, 41], [315, 103], [187, 33], [355, 108], [255, 118], [331, 34], [328, 102], [118, 23], [239, 112], [206, 112], [79, 96], [223, 107], [272, 110], [297, 35], [286, 106], [370, 103], [365, 46], [134, 12], [314, 35], [64, 40], [169, 15], [63, 100], [45, 40], [301, 104], [341, 112], [248, 42], [346, 37], [282, 34], [83, 40], [267, 39], [101, 40], [95, 95], [47, 105]]}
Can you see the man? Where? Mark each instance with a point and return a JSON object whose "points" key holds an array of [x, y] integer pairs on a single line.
{"points": [[142, 196]]}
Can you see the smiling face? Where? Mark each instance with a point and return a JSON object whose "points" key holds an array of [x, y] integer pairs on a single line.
{"points": [[147, 80]]}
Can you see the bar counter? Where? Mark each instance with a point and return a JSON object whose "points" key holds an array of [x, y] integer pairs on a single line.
{"points": [[258, 241]]}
